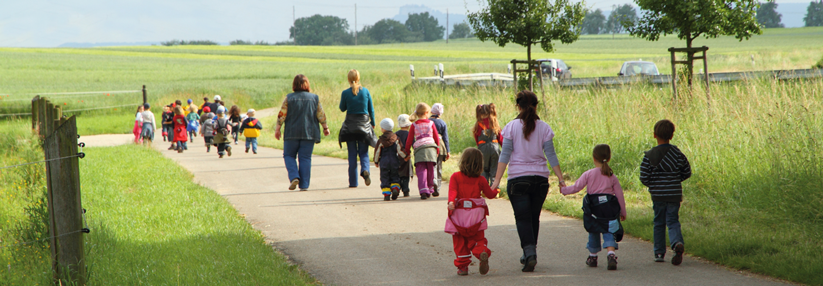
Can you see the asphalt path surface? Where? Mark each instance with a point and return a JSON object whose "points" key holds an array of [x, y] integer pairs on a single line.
{"points": [[350, 236]]}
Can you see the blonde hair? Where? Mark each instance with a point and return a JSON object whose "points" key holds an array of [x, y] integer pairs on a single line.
{"points": [[488, 111], [192, 109], [354, 81], [178, 110], [420, 111]]}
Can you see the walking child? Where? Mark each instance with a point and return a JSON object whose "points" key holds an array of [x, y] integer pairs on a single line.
{"points": [[222, 133], [388, 155], [602, 206], [663, 170], [424, 138], [406, 168], [467, 212], [148, 125], [208, 127], [251, 130], [234, 121], [180, 124], [166, 125], [138, 125], [194, 122], [488, 138], [442, 130]]}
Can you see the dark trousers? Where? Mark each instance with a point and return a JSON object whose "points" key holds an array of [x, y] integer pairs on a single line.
{"points": [[221, 147], [666, 214], [527, 195], [389, 175], [404, 184]]}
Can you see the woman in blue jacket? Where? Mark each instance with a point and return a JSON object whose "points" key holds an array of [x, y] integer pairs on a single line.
{"points": [[358, 128]]}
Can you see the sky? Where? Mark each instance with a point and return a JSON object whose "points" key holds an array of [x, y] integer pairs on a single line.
{"points": [[50, 23]]}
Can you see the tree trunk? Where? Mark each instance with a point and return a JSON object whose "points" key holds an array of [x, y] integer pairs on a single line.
{"points": [[529, 65]]}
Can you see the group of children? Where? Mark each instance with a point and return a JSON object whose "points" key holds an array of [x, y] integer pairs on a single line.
{"points": [[181, 123], [662, 170]]}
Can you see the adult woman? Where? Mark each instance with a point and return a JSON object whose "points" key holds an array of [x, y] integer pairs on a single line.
{"points": [[302, 114], [358, 129], [527, 145]]}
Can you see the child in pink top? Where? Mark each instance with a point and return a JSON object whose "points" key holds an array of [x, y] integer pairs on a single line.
{"points": [[425, 140], [600, 180]]}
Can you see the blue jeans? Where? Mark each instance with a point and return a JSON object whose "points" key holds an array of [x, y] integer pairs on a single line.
{"points": [[594, 242], [357, 149], [527, 195], [253, 143], [294, 151], [666, 214], [181, 145]]}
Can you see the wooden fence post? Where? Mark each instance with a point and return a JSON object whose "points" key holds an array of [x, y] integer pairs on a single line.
{"points": [[145, 98], [66, 210], [34, 102]]}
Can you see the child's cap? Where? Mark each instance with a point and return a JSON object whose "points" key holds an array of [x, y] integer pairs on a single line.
{"points": [[221, 110], [403, 121], [387, 124], [206, 109], [251, 110], [217, 97], [189, 101], [437, 109], [146, 105]]}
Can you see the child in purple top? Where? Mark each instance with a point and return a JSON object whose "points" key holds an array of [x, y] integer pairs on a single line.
{"points": [[600, 180]]}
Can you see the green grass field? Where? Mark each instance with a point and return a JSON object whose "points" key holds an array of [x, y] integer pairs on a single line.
{"points": [[149, 226], [752, 202]]}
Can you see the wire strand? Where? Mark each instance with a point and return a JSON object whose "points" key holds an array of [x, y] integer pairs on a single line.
{"points": [[73, 110], [30, 163], [42, 239], [59, 97]]}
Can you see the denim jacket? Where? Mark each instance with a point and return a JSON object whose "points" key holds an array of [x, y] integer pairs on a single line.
{"points": [[302, 115]]}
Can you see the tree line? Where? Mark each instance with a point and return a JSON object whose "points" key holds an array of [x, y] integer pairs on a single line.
{"points": [[331, 30]]}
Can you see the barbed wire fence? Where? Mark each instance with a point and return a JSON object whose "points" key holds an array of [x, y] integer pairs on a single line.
{"points": [[72, 95]]}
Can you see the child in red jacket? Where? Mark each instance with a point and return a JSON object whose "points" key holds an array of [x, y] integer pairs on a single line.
{"points": [[180, 123], [468, 211]]}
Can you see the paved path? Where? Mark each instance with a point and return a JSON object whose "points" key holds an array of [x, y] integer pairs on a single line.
{"points": [[348, 236]]}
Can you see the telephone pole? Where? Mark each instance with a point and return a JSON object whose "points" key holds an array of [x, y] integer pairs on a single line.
{"points": [[447, 25], [355, 24]]}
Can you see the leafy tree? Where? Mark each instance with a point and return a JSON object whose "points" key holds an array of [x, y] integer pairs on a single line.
{"points": [[240, 43], [692, 19], [460, 31], [193, 43], [527, 23], [814, 14], [593, 22], [321, 30], [386, 31], [623, 16], [767, 15], [425, 27]]}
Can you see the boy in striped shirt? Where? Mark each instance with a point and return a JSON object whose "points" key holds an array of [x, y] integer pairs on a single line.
{"points": [[663, 170]]}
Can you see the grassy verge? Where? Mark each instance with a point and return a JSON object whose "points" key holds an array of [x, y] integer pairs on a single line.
{"points": [[150, 225]]}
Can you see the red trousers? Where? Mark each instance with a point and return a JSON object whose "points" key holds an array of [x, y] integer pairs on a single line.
{"points": [[465, 247]]}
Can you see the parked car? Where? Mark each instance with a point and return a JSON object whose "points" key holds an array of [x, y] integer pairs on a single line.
{"points": [[634, 68], [563, 70]]}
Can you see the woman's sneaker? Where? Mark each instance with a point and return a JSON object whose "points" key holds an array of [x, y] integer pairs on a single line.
{"points": [[366, 177], [294, 184], [612, 262], [531, 262], [678, 254], [660, 257], [591, 261]]}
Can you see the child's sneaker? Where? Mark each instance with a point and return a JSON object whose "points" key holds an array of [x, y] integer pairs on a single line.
{"points": [[591, 261], [612, 262], [405, 194], [435, 192], [247, 150], [423, 196], [678, 254], [294, 184], [660, 257], [484, 263], [386, 198], [366, 178], [228, 150], [463, 271]]}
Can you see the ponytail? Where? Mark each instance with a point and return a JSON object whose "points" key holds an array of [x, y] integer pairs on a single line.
{"points": [[603, 153], [354, 81], [494, 126], [527, 101]]}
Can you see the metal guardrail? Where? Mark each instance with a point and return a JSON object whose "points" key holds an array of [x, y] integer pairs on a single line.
{"points": [[506, 80]]}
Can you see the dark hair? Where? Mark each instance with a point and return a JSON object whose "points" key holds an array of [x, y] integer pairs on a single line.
{"points": [[527, 101], [664, 129], [146, 105], [206, 99], [471, 162], [603, 153], [300, 83], [234, 111], [178, 102]]}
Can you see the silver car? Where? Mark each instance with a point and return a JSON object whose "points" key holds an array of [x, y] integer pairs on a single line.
{"points": [[562, 72], [634, 68]]}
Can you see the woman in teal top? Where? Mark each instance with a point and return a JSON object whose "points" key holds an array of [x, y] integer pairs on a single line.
{"points": [[358, 129]]}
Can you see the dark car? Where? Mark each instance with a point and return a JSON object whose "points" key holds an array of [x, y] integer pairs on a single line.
{"points": [[634, 68], [563, 70]]}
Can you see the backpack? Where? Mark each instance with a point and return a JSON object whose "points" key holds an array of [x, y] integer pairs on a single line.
{"points": [[224, 130]]}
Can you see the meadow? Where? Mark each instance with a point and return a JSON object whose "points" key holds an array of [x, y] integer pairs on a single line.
{"points": [[753, 202]]}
